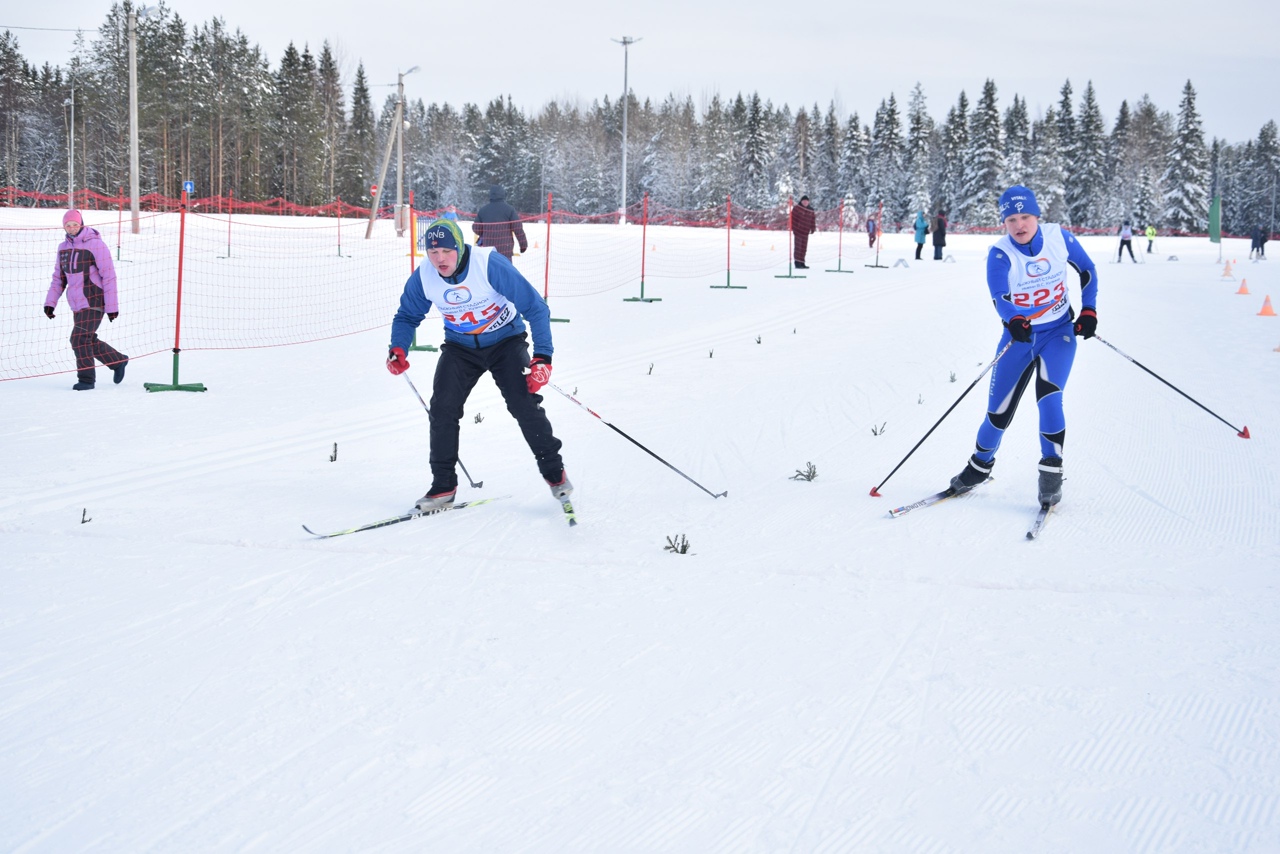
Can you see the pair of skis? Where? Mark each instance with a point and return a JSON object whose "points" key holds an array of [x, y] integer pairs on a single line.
{"points": [[565, 506], [947, 494]]}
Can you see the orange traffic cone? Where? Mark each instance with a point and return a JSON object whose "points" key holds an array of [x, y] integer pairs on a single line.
{"points": [[535, 244], [1226, 271], [1267, 310], [1244, 287]]}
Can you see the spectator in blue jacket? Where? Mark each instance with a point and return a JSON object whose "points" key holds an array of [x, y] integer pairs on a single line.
{"points": [[922, 228]]}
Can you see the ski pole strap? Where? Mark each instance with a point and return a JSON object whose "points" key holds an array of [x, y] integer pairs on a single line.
{"points": [[1242, 433]]}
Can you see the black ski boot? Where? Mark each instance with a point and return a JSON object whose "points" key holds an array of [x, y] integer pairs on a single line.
{"points": [[1050, 480], [975, 472]]}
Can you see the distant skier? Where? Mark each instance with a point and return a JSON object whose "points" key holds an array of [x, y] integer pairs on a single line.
{"points": [[84, 271], [1151, 238], [1126, 242], [1258, 242], [1027, 278], [939, 235], [497, 223], [484, 301], [922, 229], [803, 223]]}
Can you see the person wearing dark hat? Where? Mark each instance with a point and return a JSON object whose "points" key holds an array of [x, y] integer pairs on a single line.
{"points": [[1027, 278], [939, 235], [485, 303], [498, 225], [1126, 242], [85, 273], [803, 223]]}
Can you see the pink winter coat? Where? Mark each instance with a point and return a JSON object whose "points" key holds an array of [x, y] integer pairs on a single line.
{"points": [[84, 270]]}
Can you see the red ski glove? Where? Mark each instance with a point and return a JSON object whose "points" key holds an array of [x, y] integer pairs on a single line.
{"points": [[396, 362], [539, 373]]}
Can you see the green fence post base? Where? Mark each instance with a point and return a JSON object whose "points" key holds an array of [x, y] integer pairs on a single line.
{"points": [[727, 286], [175, 385], [837, 269], [423, 347], [642, 297], [790, 274]]}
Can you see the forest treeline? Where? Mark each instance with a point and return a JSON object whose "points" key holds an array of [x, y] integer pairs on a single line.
{"points": [[213, 110]]}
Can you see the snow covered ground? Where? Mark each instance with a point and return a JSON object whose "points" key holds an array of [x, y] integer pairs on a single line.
{"points": [[189, 671]]}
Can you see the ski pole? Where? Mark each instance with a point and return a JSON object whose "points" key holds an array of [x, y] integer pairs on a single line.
{"points": [[638, 445], [1243, 434], [474, 485], [875, 490]]}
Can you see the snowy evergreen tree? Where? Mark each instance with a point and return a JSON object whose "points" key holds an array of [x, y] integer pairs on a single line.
{"points": [[919, 154], [955, 142], [1048, 168], [1017, 144], [887, 156], [1066, 132], [1087, 185], [1186, 179], [983, 162], [855, 144]]}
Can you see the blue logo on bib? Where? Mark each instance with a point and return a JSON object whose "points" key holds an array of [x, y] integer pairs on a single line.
{"points": [[1038, 267], [457, 296]]}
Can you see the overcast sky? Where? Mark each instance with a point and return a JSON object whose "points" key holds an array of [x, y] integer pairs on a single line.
{"points": [[795, 53]]}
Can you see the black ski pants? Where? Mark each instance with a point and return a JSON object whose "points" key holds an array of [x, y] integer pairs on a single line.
{"points": [[457, 372]]}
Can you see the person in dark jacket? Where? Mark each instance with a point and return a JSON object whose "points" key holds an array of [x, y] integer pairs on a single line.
{"points": [[873, 230], [939, 235], [84, 272], [497, 222], [1258, 242], [803, 223]]}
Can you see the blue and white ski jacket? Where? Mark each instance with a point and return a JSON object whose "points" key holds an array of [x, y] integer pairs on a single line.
{"points": [[485, 302], [1031, 280]]}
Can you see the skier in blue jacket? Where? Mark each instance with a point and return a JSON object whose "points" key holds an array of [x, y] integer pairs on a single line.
{"points": [[485, 302], [1027, 277]]}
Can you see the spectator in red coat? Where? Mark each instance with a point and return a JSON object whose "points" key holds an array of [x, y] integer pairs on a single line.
{"points": [[497, 222], [803, 223]]}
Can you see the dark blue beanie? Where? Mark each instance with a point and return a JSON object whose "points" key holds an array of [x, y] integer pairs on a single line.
{"points": [[1018, 200], [443, 234]]}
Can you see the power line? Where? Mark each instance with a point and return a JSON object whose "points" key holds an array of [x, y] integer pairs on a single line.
{"points": [[44, 29]]}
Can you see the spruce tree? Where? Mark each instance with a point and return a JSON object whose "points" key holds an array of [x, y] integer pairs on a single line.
{"points": [[1017, 144], [1186, 179], [1087, 185], [955, 141], [358, 146], [983, 162], [1048, 167], [919, 153]]}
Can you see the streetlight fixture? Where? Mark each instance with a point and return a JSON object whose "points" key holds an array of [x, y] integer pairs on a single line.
{"points": [[397, 136], [626, 42], [145, 11]]}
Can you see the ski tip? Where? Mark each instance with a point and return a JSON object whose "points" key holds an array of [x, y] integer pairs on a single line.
{"points": [[875, 492], [1244, 434], [1030, 536]]}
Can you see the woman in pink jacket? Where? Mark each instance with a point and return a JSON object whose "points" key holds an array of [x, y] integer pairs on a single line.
{"points": [[84, 270]]}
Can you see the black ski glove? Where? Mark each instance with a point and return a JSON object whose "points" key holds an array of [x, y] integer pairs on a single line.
{"points": [[1020, 329], [1087, 323], [48, 312], [112, 315]]}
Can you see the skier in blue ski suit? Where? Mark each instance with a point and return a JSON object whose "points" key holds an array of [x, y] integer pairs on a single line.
{"points": [[485, 302], [1027, 278]]}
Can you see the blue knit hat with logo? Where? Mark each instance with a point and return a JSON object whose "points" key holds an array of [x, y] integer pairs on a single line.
{"points": [[1018, 200], [443, 234]]}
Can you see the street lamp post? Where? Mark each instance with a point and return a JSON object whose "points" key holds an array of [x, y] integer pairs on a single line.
{"points": [[626, 42], [133, 113], [71, 148], [396, 137]]}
